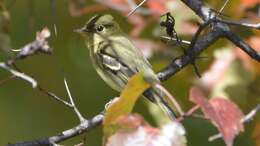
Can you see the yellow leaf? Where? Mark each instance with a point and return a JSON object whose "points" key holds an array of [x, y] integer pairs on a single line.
{"points": [[124, 105]]}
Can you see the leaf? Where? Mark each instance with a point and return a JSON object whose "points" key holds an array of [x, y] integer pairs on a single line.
{"points": [[224, 114], [142, 134], [134, 88]]}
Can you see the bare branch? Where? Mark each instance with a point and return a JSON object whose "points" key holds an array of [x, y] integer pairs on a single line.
{"points": [[243, 45], [85, 126], [240, 23], [40, 45], [199, 44], [251, 114], [19, 74], [174, 39], [50, 94], [71, 105]]}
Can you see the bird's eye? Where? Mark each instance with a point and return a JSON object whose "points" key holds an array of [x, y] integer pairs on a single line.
{"points": [[100, 28]]}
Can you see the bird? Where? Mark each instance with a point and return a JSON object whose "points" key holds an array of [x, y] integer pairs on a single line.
{"points": [[116, 59]]}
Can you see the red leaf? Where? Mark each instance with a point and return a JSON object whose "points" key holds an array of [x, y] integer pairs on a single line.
{"points": [[224, 114], [199, 98], [228, 118]]}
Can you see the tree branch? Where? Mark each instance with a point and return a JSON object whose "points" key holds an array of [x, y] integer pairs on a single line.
{"points": [[85, 126], [219, 29], [18, 74], [199, 46], [243, 45]]}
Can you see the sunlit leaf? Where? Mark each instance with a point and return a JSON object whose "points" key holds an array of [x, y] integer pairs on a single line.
{"points": [[124, 105]]}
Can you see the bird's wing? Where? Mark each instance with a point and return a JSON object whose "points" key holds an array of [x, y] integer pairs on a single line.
{"points": [[124, 59], [111, 63], [118, 71], [134, 58]]}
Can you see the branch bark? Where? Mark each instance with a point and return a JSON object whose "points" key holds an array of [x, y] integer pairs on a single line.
{"points": [[85, 126]]}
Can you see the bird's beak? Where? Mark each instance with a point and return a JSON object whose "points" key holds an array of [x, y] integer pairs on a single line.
{"points": [[81, 30]]}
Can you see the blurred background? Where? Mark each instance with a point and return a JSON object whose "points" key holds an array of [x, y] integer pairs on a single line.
{"points": [[27, 113]]}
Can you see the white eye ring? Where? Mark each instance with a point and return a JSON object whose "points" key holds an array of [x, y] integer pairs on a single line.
{"points": [[100, 28]]}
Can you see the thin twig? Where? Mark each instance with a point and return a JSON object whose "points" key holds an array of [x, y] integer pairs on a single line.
{"points": [[81, 118], [138, 6], [214, 137], [251, 114], [132, 4], [222, 8], [189, 113], [174, 39], [19, 74], [85, 126], [40, 45], [240, 23], [70, 105], [50, 94]]}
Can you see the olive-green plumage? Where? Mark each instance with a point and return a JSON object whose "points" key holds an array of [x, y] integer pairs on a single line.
{"points": [[115, 57]]}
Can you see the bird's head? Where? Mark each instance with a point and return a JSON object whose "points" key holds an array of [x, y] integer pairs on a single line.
{"points": [[104, 25]]}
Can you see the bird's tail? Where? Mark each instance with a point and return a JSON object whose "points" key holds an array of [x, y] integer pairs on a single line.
{"points": [[155, 95]]}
